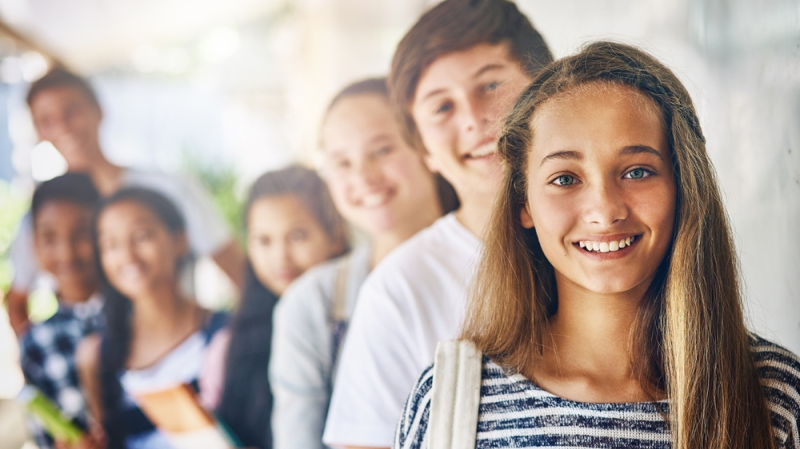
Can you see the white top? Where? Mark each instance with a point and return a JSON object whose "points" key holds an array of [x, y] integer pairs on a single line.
{"points": [[414, 298], [304, 354], [206, 229], [181, 365]]}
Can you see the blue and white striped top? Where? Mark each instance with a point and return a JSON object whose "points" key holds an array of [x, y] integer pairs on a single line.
{"points": [[514, 412]]}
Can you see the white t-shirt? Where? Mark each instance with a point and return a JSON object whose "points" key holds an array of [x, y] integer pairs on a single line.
{"points": [[206, 229], [414, 298]]}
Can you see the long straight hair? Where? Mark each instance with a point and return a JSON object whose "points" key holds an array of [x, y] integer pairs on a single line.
{"points": [[689, 340], [246, 402], [118, 311]]}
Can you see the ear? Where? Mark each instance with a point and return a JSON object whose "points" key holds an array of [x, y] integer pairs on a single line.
{"points": [[525, 217]]}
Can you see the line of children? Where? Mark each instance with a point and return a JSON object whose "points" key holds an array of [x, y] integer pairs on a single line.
{"points": [[67, 113], [606, 305], [454, 75], [381, 186]]}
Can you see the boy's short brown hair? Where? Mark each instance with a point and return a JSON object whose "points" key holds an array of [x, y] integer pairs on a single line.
{"points": [[456, 25], [60, 77]]}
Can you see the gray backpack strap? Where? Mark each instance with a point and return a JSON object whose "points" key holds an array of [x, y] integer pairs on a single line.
{"points": [[456, 395]]}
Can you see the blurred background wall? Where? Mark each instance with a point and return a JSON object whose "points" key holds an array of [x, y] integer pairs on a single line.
{"points": [[227, 90]]}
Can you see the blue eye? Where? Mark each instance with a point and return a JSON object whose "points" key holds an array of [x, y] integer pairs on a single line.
{"points": [[637, 173], [564, 180], [444, 108], [491, 86]]}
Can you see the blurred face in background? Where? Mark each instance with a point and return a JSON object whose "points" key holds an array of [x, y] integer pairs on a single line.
{"points": [[377, 181], [459, 101], [63, 243], [139, 254], [284, 239], [65, 117]]}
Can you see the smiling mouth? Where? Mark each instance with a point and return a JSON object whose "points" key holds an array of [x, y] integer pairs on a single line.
{"points": [[607, 247], [484, 151]]}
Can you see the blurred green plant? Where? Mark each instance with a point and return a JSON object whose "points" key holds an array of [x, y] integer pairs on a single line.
{"points": [[13, 205], [221, 182]]}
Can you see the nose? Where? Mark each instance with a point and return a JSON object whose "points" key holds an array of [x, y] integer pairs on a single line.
{"points": [[605, 204], [475, 114], [65, 251]]}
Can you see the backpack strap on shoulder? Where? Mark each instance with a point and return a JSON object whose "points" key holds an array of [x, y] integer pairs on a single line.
{"points": [[456, 395]]}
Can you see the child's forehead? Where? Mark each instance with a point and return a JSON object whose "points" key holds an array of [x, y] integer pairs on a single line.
{"points": [[567, 98], [57, 207]]}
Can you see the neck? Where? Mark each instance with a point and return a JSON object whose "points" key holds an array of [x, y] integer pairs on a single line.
{"points": [[76, 294], [106, 176], [161, 309], [475, 212], [590, 354], [384, 242]]}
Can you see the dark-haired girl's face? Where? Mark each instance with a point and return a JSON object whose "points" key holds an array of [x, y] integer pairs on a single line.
{"points": [[601, 191], [139, 254], [284, 239]]}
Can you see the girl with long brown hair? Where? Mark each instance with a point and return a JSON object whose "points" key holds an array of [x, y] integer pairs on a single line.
{"points": [[607, 307]]}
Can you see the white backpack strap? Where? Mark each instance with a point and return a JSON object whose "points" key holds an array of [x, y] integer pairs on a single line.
{"points": [[456, 395]]}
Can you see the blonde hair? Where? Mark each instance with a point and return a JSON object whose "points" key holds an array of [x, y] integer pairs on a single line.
{"points": [[690, 339]]}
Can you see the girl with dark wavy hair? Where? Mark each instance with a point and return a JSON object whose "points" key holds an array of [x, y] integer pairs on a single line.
{"points": [[292, 225], [155, 337], [607, 309]]}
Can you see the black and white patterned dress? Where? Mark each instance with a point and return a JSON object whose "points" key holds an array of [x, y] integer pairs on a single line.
{"points": [[514, 412]]}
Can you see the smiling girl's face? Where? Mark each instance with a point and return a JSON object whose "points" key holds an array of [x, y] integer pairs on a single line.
{"points": [[139, 254], [600, 188]]}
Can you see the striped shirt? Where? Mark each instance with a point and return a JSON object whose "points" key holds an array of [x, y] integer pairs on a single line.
{"points": [[514, 412]]}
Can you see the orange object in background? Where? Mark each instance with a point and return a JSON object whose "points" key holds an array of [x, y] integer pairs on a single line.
{"points": [[177, 413]]}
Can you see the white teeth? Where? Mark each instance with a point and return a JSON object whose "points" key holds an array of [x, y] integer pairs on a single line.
{"points": [[484, 151], [376, 199], [606, 247]]}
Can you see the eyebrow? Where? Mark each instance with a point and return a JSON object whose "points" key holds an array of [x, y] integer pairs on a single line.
{"points": [[640, 149], [568, 155], [629, 150], [484, 69]]}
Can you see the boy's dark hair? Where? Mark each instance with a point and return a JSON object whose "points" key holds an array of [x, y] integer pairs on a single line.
{"points": [[75, 188], [456, 25], [61, 77]]}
